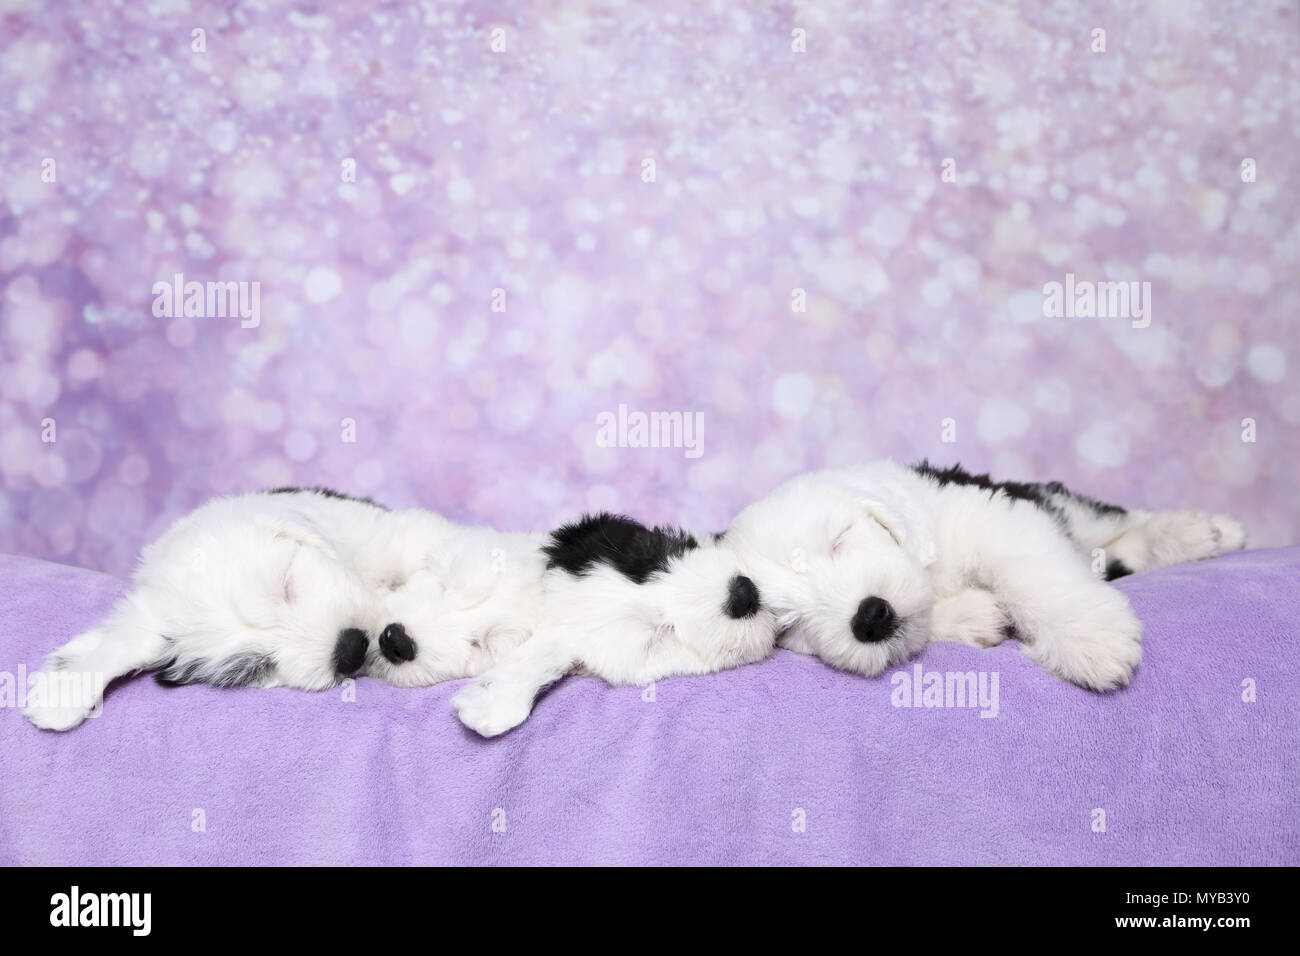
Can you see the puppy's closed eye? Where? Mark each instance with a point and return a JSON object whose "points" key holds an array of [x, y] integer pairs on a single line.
{"points": [[845, 538], [915, 534], [890, 531]]}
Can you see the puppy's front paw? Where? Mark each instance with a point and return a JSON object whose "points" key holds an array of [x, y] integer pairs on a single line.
{"points": [[971, 617], [1099, 649], [488, 711]]}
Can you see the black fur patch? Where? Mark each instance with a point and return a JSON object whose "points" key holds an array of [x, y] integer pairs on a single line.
{"points": [[395, 645], [1117, 569], [1037, 494], [627, 546], [350, 651], [1098, 507], [742, 598], [240, 670], [957, 475], [325, 492]]}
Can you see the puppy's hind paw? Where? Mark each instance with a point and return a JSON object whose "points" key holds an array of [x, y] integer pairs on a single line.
{"points": [[1228, 532], [55, 718], [51, 706], [489, 712], [1193, 536]]}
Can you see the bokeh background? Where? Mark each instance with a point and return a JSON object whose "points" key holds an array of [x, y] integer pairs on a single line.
{"points": [[524, 170]]}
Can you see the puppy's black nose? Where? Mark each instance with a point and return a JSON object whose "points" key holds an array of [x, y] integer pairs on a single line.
{"points": [[742, 598], [875, 621], [350, 651], [395, 645]]}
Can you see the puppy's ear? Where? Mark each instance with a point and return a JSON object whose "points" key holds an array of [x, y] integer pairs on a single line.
{"points": [[914, 533]]}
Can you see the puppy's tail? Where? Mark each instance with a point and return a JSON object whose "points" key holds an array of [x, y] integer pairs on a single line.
{"points": [[70, 686]]}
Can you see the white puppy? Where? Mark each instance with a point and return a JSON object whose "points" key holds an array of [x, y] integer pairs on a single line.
{"points": [[303, 588], [863, 565], [630, 605], [292, 588]]}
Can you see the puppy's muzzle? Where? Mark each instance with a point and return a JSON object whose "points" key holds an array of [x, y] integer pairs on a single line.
{"points": [[875, 621], [350, 651], [742, 598], [396, 645]]}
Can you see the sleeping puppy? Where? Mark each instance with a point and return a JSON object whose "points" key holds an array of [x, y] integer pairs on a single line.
{"points": [[604, 597], [301, 588], [306, 587], [863, 565], [457, 608], [630, 605]]}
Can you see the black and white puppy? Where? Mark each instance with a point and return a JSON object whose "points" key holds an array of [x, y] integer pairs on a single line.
{"points": [[305, 587], [863, 565], [630, 605]]}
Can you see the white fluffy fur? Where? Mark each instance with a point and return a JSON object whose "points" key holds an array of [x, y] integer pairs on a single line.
{"points": [[278, 575], [604, 625], [957, 563], [281, 574]]}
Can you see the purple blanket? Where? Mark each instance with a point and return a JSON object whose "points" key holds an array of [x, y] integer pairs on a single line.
{"points": [[782, 762]]}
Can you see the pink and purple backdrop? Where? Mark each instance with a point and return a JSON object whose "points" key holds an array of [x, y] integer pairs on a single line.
{"points": [[135, 149]]}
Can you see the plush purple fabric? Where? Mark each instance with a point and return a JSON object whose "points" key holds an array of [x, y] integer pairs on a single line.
{"points": [[712, 770]]}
